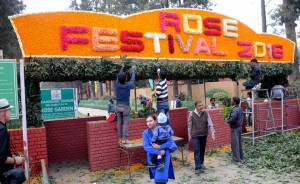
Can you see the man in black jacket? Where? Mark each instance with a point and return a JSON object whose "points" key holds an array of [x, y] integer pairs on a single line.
{"points": [[235, 121], [254, 75], [9, 174]]}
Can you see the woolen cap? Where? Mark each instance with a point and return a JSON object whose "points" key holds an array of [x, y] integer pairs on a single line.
{"points": [[161, 118], [4, 105]]}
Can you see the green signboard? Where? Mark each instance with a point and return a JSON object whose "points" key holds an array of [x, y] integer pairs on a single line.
{"points": [[57, 103], [8, 85]]}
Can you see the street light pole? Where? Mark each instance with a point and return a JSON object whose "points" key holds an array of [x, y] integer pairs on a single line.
{"points": [[1, 53], [263, 16]]}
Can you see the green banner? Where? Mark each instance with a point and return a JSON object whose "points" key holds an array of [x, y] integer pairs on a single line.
{"points": [[8, 85], [57, 103]]}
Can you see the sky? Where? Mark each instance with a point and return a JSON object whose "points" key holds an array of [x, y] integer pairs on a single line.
{"points": [[246, 11]]}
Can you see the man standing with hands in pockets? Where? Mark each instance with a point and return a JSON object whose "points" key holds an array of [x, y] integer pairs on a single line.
{"points": [[198, 123], [235, 121]]}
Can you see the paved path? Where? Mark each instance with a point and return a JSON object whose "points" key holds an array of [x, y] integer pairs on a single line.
{"points": [[93, 112]]}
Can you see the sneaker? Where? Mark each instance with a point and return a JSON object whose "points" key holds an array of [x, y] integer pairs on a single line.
{"points": [[161, 167], [203, 167], [150, 164], [257, 86]]}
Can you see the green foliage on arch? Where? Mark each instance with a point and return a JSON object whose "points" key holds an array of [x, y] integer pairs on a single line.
{"points": [[63, 70]]}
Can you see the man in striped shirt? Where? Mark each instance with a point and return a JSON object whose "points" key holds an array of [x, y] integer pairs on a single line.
{"points": [[162, 94]]}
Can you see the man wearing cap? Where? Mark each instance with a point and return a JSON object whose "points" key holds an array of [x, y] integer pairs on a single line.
{"points": [[9, 174], [198, 123]]}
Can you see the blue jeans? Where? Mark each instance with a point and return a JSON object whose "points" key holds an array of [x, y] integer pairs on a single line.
{"points": [[250, 84], [14, 176], [164, 108], [199, 143]]}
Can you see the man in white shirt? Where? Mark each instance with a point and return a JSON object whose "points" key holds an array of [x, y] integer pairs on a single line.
{"points": [[213, 104], [175, 103]]}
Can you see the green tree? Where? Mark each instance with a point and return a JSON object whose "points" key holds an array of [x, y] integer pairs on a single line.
{"points": [[288, 13], [126, 7], [8, 38]]}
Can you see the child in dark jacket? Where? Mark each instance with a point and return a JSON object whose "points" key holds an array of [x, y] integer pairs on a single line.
{"points": [[161, 134], [111, 106]]}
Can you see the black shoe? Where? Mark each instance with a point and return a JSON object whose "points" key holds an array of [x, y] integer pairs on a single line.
{"points": [[198, 171], [203, 167], [151, 164], [161, 167], [236, 163]]}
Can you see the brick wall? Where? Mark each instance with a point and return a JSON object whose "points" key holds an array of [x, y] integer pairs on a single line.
{"points": [[37, 149], [178, 119], [222, 130], [102, 138], [103, 149], [67, 138]]}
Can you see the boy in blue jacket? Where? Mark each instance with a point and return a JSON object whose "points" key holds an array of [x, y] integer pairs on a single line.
{"points": [[161, 134]]}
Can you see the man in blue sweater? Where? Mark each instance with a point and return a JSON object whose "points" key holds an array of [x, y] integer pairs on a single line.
{"points": [[123, 103]]}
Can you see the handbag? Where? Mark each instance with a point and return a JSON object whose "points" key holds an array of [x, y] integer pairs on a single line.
{"points": [[112, 117]]}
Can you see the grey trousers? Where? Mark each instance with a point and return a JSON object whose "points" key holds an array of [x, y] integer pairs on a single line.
{"points": [[123, 115], [236, 144]]}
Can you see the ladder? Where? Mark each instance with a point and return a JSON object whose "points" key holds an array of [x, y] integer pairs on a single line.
{"points": [[263, 96], [260, 96], [287, 94]]}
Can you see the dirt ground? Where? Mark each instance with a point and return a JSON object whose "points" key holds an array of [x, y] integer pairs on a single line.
{"points": [[220, 170]]}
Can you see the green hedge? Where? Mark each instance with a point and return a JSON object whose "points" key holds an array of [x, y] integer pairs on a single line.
{"points": [[62, 70]]}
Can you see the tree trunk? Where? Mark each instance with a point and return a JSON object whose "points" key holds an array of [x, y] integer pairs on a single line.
{"points": [[101, 88], [109, 87], [114, 87], [189, 88], [93, 89], [289, 18], [175, 87]]}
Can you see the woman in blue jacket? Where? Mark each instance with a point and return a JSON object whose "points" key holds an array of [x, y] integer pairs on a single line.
{"points": [[160, 177]]}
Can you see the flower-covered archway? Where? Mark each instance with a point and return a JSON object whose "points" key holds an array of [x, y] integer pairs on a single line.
{"points": [[188, 43]]}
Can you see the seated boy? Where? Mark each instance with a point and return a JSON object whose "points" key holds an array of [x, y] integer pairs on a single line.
{"points": [[161, 134]]}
